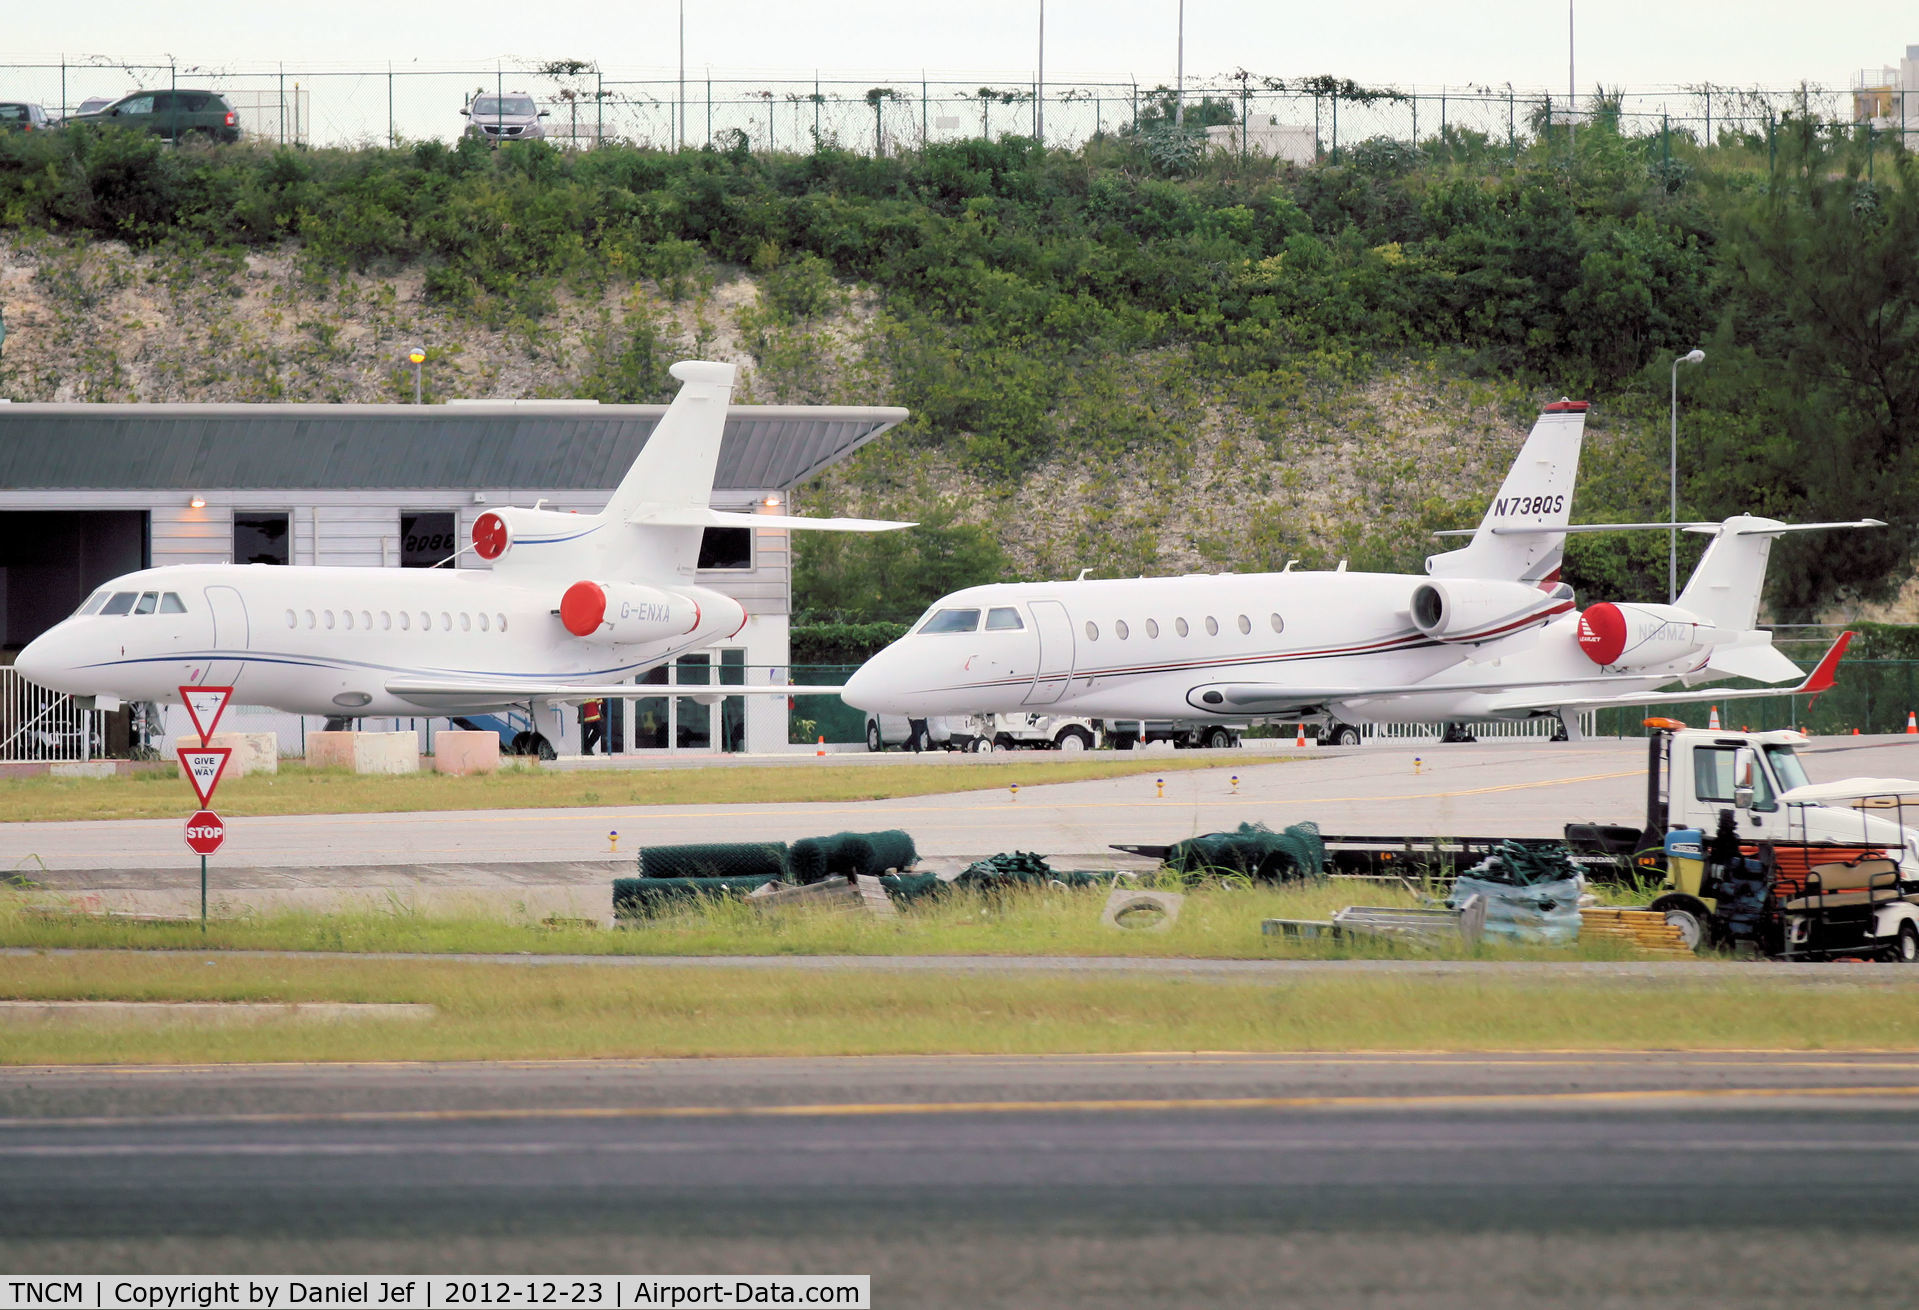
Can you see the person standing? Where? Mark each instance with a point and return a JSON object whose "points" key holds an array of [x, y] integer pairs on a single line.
{"points": [[592, 725]]}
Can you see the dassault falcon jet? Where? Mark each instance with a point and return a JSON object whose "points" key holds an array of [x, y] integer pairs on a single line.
{"points": [[573, 604]]}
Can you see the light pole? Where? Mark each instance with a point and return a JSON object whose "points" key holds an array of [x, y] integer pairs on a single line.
{"points": [[680, 123], [1179, 111], [416, 357], [1672, 546], [1572, 86], [1039, 98]]}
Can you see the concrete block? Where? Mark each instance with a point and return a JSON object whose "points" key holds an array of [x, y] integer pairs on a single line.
{"points": [[364, 752], [253, 752], [83, 769], [460, 752]]}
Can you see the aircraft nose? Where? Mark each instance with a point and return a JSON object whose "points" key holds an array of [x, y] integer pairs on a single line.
{"points": [[871, 686], [39, 663]]}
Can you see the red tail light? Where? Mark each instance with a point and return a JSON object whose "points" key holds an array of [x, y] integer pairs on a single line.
{"points": [[232, 118]]}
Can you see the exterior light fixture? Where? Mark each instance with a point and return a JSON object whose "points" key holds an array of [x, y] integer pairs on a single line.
{"points": [[197, 502], [416, 357], [771, 502]]}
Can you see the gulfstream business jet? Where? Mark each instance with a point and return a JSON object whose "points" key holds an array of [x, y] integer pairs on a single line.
{"points": [[1489, 633], [573, 604]]}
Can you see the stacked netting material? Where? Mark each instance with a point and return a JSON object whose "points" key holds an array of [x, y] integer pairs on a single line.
{"points": [[845, 854], [1254, 851], [672, 876]]}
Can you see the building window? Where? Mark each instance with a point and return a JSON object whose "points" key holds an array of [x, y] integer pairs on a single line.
{"points": [[726, 548], [426, 538], [260, 537]]}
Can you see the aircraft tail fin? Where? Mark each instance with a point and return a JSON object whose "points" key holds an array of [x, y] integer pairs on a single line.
{"points": [[1724, 590], [672, 477], [1516, 540]]}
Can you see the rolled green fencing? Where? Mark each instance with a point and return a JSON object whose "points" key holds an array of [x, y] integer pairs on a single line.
{"points": [[845, 854], [1254, 850], [715, 860], [641, 897]]}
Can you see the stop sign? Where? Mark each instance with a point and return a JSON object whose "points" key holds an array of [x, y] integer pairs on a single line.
{"points": [[205, 831]]}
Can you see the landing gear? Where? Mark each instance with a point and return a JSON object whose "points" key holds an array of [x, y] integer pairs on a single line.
{"points": [[1340, 734], [873, 741], [1456, 733], [1216, 739], [531, 743], [918, 738]]}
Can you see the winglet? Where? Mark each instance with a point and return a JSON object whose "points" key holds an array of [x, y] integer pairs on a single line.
{"points": [[1821, 677]]}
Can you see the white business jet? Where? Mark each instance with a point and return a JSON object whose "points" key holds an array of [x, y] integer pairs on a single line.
{"points": [[1491, 633], [573, 604]]}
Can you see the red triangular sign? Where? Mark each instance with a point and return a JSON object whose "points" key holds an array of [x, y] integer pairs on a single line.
{"points": [[204, 765], [205, 705]]}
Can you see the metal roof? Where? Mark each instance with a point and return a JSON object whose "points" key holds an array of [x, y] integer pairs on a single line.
{"points": [[556, 446]]}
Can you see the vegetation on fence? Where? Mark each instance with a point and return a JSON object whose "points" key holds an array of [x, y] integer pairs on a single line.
{"points": [[1036, 305]]}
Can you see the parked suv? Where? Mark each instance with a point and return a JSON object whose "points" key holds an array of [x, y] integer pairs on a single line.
{"points": [[509, 117], [176, 115], [17, 116]]}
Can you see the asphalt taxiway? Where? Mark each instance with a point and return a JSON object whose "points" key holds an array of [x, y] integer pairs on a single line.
{"points": [[1178, 1179], [559, 861]]}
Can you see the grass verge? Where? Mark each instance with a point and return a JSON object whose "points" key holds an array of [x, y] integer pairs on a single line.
{"points": [[296, 789], [495, 1011], [1216, 922]]}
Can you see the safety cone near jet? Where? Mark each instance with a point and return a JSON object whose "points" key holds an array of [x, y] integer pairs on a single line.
{"points": [[1912, 724], [1712, 724]]}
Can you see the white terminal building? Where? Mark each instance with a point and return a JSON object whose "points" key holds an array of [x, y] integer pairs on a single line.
{"points": [[88, 492], [1888, 98]]}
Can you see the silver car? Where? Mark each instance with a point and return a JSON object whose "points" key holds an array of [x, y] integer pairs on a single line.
{"points": [[509, 117]]}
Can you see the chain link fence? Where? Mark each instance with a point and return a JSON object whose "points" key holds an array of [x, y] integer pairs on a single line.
{"points": [[1302, 121]]}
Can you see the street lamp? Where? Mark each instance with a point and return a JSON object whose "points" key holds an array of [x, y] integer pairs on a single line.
{"points": [[416, 357], [1672, 547], [1179, 111]]}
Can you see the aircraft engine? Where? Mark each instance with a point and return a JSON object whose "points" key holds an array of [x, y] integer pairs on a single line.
{"points": [[1470, 610], [1642, 636], [619, 613]]}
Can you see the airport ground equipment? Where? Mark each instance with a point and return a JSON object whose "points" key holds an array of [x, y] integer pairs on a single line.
{"points": [[1185, 734]]}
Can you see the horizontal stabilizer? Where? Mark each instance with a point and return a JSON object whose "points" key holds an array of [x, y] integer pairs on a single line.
{"points": [[1761, 663], [719, 518], [1820, 679], [1684, 526]]}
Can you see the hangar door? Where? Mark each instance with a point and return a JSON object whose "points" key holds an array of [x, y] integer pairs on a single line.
{"points": [[50, 560]]}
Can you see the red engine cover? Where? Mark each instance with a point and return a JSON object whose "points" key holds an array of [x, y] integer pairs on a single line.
{"points": [[490, 536], [583, 608], [1602, 633]]}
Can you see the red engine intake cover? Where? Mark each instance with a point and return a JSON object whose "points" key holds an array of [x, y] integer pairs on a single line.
{"points": [[583, 608], [1602, 633], [490, 536]]}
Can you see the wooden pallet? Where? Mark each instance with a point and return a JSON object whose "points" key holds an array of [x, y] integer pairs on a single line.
{"points": [[1643, 929]]}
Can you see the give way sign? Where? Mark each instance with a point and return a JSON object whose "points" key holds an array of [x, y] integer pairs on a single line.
{"points": [[205, 831], [204, 766], [205, 705]]}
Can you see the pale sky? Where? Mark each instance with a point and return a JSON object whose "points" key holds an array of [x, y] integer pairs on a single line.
{"points": [[1634, 43]]}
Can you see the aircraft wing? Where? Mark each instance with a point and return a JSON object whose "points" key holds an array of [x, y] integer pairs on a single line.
{"points": [[499, 693], [1274, 698]]}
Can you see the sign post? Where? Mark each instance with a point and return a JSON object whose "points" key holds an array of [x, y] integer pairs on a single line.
{"points": [[205, 765]]}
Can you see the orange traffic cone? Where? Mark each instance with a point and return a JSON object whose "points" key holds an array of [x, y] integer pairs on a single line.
{"points": [[1712, 724], [1299, 735], [822, 746], [1912, 724]]}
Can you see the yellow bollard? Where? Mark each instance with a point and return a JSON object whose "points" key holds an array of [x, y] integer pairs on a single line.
{"points": [[1013, 789], [1235, 784], [613, 839], [1416, 763], [1161, 784]]}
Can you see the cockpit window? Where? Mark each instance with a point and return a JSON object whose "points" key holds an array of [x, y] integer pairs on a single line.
{"points": [[952, 621], [172, 604], [148, 602], [122, 602], [1003, 620], [93, 603]]}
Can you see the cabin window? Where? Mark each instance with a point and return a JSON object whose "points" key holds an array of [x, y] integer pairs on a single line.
{"points": [[1152, 627], [1179, 626], [386, 620], [1279, 624], [426, 539], [346, 618], [121, 603], [262, 537], [327, 617], [726, 548], [293, 620], [312, 622], [1245, 626], [466, 621], [502, 619], [952, 621], [406, 621], [446, 621], [1004, 620], [170, 603], [482, 620], [149, 601], [426, 621], [1120, 629], [1092, 630], [1212, 626]]}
